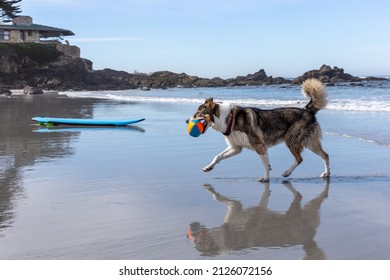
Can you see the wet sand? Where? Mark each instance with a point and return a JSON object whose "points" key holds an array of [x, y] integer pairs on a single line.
{"points": [[139, 192]]}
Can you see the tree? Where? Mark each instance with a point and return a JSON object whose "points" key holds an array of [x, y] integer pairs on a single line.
{"points": [[9, 9]]}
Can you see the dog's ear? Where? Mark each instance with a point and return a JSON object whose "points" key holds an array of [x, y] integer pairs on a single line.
{"points": [[209, 100]]}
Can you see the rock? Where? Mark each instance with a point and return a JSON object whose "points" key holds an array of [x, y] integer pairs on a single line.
{"points": [[371, 78], [325, 70], [258, 76], [217, 82], [28, 90], [5, 91], [280, 81], [327, 75], [53, 83], [108, 79]]}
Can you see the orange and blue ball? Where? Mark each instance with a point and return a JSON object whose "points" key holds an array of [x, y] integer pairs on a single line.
{"points": [[195, 128]]}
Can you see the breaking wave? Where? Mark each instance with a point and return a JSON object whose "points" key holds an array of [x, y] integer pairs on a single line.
{"points": [[338, 102]]}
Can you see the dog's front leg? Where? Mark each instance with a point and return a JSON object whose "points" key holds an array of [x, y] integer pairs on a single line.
{"points": [[228, 152], [267, 167]]}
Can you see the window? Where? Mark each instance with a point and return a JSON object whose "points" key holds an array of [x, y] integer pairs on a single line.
{"points": [[4, 35]]}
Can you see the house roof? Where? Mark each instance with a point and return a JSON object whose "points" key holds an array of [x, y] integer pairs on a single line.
{"points": [[45, 31]]}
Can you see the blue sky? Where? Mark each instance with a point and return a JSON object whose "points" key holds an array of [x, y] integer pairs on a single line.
{"points": [[225, 38]]}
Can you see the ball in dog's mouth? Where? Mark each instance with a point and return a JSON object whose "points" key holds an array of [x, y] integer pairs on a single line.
{"points": [[196, 127]]}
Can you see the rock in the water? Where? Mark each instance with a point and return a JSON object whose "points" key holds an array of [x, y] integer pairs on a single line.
{"points": [[28, 90], [327, 75]]}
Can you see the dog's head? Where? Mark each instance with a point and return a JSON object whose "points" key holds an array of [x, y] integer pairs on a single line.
{"points": [[206, 113], [204, 242]]}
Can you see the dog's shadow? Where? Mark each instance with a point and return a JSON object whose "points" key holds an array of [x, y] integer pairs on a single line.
{"points": [[258, 226]]}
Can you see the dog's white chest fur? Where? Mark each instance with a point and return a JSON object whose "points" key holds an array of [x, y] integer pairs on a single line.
{"points": [[235, 138], [220, 123], [238, 139]]}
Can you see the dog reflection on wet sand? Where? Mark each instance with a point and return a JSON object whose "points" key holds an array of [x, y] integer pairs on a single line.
{"points": [[261, 227]]}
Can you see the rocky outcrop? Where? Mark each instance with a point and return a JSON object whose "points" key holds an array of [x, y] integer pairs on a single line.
{"points": [[257, 79], [167, 79], [327, 75]]}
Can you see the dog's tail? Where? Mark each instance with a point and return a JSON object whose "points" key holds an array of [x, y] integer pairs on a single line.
{"points": [[315, 90]]}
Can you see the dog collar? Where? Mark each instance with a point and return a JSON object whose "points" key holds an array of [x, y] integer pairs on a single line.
{"points": [[230, 123]]}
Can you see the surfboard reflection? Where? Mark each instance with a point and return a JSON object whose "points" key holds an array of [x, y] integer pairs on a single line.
{"points": [[80, 128], [261, 227]]}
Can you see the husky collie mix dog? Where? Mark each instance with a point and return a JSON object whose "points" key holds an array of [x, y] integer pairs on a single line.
{"points": [[257, 129]]}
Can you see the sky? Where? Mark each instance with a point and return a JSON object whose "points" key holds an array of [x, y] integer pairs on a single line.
{"points": [[225, 38]]}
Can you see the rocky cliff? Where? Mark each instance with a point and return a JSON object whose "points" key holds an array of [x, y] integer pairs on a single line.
{"points": [[43, 66]]}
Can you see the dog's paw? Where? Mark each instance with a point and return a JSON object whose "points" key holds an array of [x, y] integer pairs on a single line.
{"points": [[207, 168], [286, 173], [263, 179], [325, 174]]}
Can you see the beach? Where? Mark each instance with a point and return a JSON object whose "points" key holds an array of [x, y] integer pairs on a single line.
{"points": [[138, 192]]}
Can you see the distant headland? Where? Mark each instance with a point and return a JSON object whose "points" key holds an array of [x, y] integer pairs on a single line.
{"points": [[44, 67]]}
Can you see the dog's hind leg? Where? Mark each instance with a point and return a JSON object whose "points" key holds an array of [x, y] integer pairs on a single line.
{"points": [[296, 151], [228, 152], [316, 147]]}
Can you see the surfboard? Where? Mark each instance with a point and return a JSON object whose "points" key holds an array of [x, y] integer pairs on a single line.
{"points": [[86, 122]]}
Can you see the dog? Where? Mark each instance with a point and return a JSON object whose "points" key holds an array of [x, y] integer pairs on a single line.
{"points": [[261, 227], [257, 129]]}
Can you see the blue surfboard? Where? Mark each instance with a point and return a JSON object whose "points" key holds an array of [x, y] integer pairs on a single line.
{"points": [[86, 122]]}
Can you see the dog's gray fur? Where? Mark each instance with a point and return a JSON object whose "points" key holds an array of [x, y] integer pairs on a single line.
{"points": [[257, 129]]}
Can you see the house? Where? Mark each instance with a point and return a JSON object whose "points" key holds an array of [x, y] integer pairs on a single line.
{"points": [[23, 30]]}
